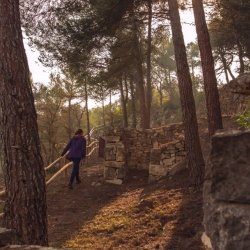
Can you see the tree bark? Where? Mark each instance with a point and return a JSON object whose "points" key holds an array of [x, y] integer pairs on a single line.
{"points": [[194, 156], [25, 207], [87, 110], [140, 81], [149, 88], [133, 103], [207, 62], [123, 103]]}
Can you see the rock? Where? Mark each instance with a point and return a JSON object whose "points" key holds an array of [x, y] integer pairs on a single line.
{"points": [[226, 194], [229, 159], [206, 241], [110, 173], [158, 170], [7, 236], [114, 164], [117, 181]]}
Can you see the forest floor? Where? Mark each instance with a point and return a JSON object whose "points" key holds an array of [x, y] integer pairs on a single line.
{"points": [[134, 215]]}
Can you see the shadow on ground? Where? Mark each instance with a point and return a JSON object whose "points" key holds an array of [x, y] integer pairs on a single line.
{"points": [[134, 215]]}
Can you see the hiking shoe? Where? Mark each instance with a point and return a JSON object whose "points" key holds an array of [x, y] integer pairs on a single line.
{"points": [[78, 182], [70, 185]]}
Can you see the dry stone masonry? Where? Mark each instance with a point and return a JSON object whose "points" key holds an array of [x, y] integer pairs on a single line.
{"points": [[227, 191], [167, 159], [158, 150], [114, 165]]}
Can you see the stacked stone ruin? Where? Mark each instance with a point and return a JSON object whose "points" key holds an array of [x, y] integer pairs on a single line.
{"points": [[226, 202], [158, 150]]}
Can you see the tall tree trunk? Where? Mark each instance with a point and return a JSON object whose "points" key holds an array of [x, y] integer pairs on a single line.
{"points": [[149, 88], [126, 88], [87, 111], [123, 103], [133, 103], [140, 82], [110, 110], [242, 67], [192, 142], [25, 206], [103, 113], [207, 62], [69, 130]]}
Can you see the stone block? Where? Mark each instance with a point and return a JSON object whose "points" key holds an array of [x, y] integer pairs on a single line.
{"points": [[162, 140], [157, 170], [110, 152], [120, 173], [179, 146], [230, 166], [155, 156], [227, 224], [183, 153], [171, 147], [176, 168], [179, 158], [169, 162], [110, 173], [155, 143], [114, 164], [116, 182], [120, 153]]}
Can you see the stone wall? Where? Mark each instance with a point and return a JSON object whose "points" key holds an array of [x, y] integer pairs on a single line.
{"points": [[141, 147], [167, 159], [139, 142], [114, 164], [226, 191]]}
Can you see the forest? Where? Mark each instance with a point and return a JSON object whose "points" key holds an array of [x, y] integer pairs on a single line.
{"points": [[104, 50], [131, 48]]}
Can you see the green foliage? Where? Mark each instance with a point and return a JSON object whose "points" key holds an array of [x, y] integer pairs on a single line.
{"points": [[243, 119], [173, 104]]}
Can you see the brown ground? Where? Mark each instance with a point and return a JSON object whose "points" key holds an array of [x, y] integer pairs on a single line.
{"points": [[134, 215]]}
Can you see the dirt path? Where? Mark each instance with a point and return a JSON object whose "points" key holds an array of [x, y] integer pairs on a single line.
{"points": [[134, 215]]}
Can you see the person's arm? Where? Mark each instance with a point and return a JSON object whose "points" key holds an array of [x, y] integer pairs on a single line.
{"points": [[66, 149]]}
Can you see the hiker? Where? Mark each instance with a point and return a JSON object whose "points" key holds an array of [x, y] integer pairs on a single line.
{"points": [[77, 146]]}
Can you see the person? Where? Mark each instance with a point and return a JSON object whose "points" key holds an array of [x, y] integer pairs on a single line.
{"points": [[77, 147]]}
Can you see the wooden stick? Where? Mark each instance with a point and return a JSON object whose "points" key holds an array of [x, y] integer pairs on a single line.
{"points": [[52, 164], [57, 173]]}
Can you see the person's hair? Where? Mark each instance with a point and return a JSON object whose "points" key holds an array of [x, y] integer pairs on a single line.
{"points": [[78, 132]]}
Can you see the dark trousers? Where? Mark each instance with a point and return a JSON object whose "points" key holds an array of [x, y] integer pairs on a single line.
{"points": [[75, 170]]}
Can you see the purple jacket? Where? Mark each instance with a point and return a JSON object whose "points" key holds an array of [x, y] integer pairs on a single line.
{"points": [[77, 146]]}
